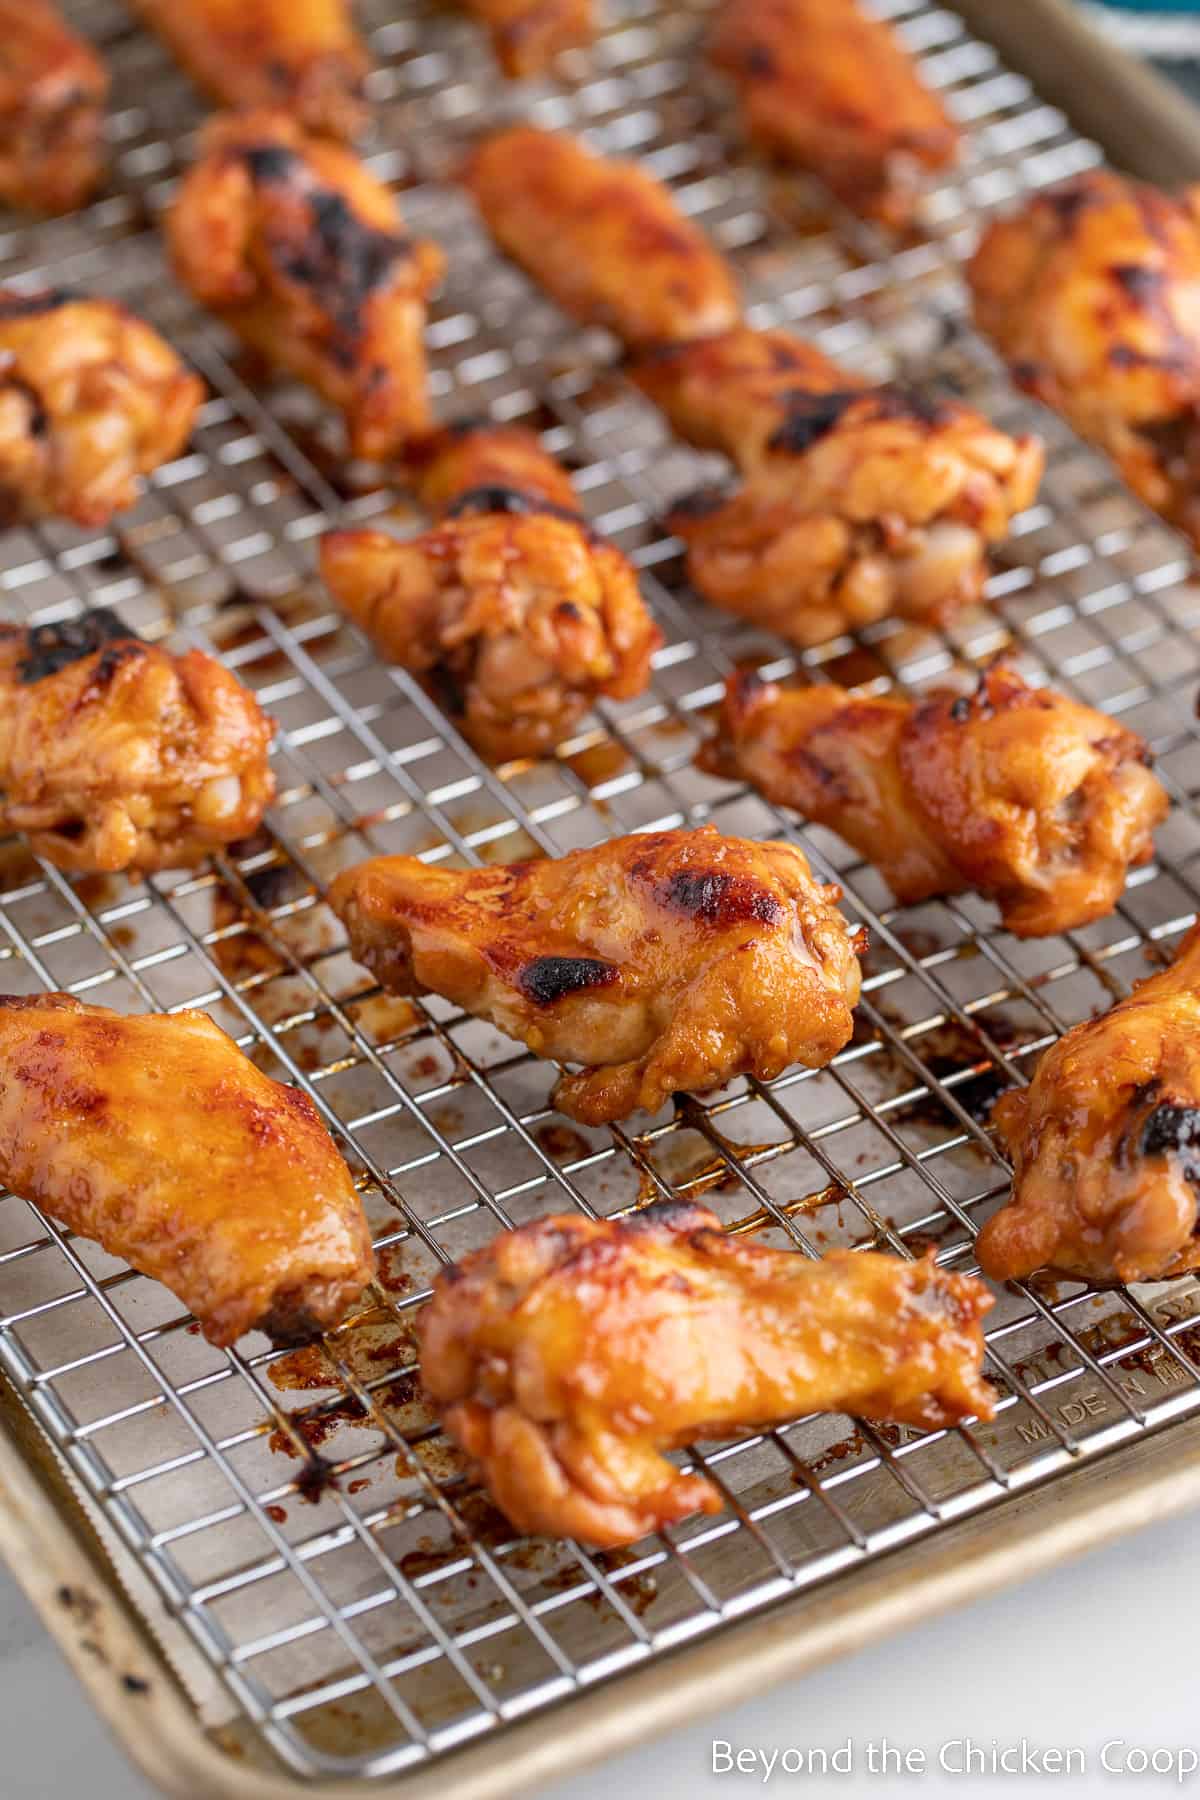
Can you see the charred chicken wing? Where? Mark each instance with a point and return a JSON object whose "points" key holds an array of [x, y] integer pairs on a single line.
{"points": [[302, 56], [155, 1136], [1092, 293], [859, 503], [528, 34], [606, 240], [830, 89], [662, 962], [1105, 1143], [53, 88], [511, 608], [571, 1353], [303, 254], [1016, 792], [91, 400], [115, 754]]}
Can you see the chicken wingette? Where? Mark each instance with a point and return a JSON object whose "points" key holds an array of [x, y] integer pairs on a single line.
{"points": [[53, 89]]}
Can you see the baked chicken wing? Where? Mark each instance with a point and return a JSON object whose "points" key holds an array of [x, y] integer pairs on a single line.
{"points": [[605, 239], [517, 615], [303, 254], [859, 503], [570, 1354], [828, 88], [302, 56], [115, 754], [1092, 293], [53, 88], [1105, 1143], [675, 960], [155, 1136], [91, 400], [1019, 793], [528, 34]]}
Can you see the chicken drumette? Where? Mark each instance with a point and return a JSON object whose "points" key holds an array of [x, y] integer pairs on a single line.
{"points": [[528, 34], [674, 960], [568, 1355], [53, 88], [1019, 793], [303, 254], [859, 502], [605, 239], [302, 56], [155, 1136], [115, 754], [517, 615], [825, 86], [1092, 293], [1105, 1143], [91, 400]]}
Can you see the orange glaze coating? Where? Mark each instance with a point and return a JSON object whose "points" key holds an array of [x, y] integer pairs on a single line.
{"points": [[53, 89], [527, 35]]}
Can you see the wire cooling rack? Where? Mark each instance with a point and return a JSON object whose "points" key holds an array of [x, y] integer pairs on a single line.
{"points": [[303, 1521]]}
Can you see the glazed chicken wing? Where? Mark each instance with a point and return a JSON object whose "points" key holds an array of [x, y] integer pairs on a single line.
{"points": [[53, 88], [1019, 793], [155, 1136], [1092, 293], [606, 240], [828, 88], [528, 34], [675, 960], [303, 254], [571, 1353], [860, 502], [1105, 1143], [302, 56], [91, 400], [115, 754], [515, 612]]}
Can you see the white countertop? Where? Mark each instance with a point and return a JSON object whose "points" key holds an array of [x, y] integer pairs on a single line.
{"points": [[1101, 1650]]}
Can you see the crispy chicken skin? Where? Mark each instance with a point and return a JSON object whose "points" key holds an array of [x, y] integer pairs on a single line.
{"points": [[669, 961], [518, 616], [1105, 1143], [1092, 293], [53, 88], [302, 56], [828, 88], [860, 502], [528, 34], [569, 1354], [1019, 793], [303, 254], [91, 400], [155, 1136], [115, 754], [605, 239]]}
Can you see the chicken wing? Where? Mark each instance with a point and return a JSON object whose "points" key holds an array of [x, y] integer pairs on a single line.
{"points": [[605, 239], [527, 35], [91, 400], [674, 960], [115, 754], [303, 254], [1092, 293], [302, 56], [53, 88], [860, 502], [155, 1136], [1019, 793], [828, 88], [568, 1355], [1105, 1143], [515, 612]]}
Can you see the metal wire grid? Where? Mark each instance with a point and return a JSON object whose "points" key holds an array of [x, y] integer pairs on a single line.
{"points": [[323, 1547]]}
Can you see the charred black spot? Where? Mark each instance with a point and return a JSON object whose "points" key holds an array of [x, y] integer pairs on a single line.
{"points": [[668, 1216], [499, 499], [1172, 1130], [28, 306], [550, 978], [960, 710], [809, 417], [897, 401], [49, 648], [270, 163], [1140, 283], [110, 661], [343, 262], [1068, 200], [719, 899], [1126, 356], [699, 504], [760, 61]]}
